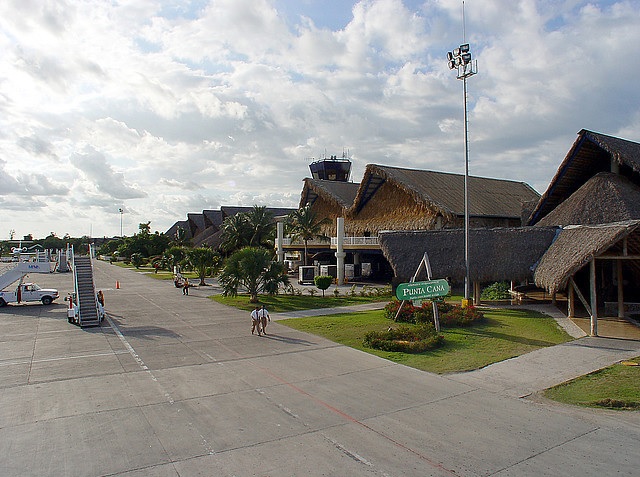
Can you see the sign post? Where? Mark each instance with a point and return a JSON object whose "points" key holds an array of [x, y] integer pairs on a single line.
{"points": [[418, 291]]}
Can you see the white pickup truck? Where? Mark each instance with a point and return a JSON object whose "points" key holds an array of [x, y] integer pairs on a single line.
{"points": [[28, 292]]}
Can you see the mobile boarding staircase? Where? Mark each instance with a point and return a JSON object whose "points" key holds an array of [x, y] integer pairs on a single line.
{"points": [[31, 263], [87, 308]]}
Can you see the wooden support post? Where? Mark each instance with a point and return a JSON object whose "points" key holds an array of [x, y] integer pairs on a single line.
{"points": [[571, 301], [620, 289], [594, 298]]}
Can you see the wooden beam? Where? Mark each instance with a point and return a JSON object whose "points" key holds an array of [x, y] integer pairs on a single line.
{"points": [[583, 300]]}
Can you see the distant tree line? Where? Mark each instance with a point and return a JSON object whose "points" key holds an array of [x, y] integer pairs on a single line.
{"points": [[245, 259]]}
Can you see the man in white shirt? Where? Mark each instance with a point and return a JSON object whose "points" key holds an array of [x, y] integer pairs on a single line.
{"points": [[255, 320], [264, 316]]}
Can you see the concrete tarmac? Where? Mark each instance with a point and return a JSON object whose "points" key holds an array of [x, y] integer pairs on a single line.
{"points": [[175, 385]]}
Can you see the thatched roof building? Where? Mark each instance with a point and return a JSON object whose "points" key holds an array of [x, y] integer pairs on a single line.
{"points": [[204, 228], [496, 254], [393, 198], [606, 197], [195, 222], [590, 154], [328, 199], [338, 194], [576, 246]]}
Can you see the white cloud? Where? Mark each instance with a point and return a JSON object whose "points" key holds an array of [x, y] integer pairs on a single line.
{"points": [[168, 108]]}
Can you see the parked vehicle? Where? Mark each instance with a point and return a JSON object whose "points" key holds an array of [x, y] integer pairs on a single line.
{"points": [[28, 292]]}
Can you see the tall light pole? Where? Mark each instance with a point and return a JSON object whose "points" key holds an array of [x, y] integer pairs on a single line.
{"points": [[460, 60], [121, 210]]}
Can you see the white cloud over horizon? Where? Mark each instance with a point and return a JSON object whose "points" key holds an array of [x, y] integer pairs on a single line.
{"points": [[167, 108]]}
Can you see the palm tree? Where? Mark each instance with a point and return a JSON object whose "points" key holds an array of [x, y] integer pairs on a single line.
{"points": [[174, 256], [203, 260], [236, 233], [180, 237], [262, 226], [254, 269], [304, 224]]}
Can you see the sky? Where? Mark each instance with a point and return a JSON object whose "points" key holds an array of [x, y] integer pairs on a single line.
{"points": [[163, 108]]}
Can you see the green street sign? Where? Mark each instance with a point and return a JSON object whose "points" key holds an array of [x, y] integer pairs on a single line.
{"points": [[422, 290]]}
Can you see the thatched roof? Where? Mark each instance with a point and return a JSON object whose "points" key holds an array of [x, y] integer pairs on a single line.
{"points": [[275, 211], [184, 224], [445, 191], [211, 237], [604, 198], [590, 154], [494, 254], [195, 224], [213, 218], [200, 223], [574, 248], [340, 194]]}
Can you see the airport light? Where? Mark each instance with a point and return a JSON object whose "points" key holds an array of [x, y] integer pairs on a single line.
{"points": [[460, 59]]}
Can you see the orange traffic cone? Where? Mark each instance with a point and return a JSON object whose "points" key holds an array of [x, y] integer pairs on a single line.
{"points": [[117, 285]]}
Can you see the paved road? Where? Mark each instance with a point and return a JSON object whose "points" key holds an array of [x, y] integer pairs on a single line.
{"points": [[177, 386]]}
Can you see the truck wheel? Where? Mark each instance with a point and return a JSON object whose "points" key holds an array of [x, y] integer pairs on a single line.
{"points": [[2, 302], [46, 300]]}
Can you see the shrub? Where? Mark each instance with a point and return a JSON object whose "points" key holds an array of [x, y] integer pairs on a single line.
{"points": [[336, 292], [616, 404], [406, 315], [323, 282], [312, 291], [414, 314], [407, 339], [458, 316], [496, 291]]}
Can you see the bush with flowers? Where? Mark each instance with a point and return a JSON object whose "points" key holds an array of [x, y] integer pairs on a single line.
{"points": [[459, 316], [407, 339], [450, 315]]}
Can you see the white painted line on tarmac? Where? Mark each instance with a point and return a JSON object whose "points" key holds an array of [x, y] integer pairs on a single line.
{"points": [[62, 358], [146, 369]]}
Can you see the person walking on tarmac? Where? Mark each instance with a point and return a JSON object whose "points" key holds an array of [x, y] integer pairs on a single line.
{"points": [[185, 286], [255, 320], [264, 316]]}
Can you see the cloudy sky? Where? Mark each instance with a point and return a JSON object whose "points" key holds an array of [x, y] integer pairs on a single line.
{"points": [[167, 107]]}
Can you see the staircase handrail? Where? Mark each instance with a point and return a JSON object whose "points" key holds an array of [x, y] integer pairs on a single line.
{"points": [[93, 282], [72, 260]]}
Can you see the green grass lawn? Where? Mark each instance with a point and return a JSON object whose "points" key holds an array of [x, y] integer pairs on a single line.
{"points": [[615, 387], [284, 303], [506, 333]]}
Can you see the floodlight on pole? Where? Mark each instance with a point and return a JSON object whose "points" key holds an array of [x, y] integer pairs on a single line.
{"points": [[460, 59], [121, 210]]}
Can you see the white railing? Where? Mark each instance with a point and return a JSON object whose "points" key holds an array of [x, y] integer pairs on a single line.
{"points": [[348, 241], [288, 241], [355, 241]]}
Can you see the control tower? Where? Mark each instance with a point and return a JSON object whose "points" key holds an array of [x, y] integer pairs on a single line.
{"points": [[331, 169]]}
